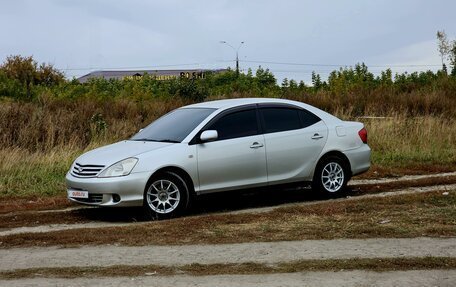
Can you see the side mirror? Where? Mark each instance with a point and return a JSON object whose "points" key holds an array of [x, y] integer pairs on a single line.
{"points": [[209, 135]]}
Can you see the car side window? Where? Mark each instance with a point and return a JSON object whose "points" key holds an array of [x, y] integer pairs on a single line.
{"points": [[280, 119], [308, 118], [236, 125]]}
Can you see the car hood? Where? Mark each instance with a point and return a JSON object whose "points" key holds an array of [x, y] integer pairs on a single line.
{"points": [[110, 154]]}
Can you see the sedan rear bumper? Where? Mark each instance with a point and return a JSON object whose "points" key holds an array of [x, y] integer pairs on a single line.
{"points": [[115, 191], [359, 159]]}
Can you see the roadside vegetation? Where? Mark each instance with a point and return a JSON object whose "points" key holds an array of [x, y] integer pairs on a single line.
{"points": [[46, 121]]}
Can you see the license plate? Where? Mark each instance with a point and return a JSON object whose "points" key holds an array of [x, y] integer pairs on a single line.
{"points": [[78, 194]]}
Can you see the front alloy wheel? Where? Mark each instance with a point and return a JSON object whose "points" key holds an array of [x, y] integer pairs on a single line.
{"points": [[163, 196], [166, 196]]}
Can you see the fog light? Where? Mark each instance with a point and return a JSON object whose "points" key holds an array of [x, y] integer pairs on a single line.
{"points": [[115, 197]]}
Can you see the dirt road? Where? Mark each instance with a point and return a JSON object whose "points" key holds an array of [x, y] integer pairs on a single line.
{"points": [[58, 227], [258, 252], [415, 278], [17, 260]]}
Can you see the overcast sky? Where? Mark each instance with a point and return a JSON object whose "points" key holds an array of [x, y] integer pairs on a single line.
{"points": [[80, 36]]}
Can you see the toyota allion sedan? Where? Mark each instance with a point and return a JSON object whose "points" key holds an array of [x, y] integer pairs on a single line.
{"points": [[221, 146]]}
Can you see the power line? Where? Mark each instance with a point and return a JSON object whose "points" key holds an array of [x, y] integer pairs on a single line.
{"points": [[248, 61], [133, 67], [339, 65], [327, 71]]}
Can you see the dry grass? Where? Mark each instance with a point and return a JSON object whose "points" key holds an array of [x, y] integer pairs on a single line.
{"points": [[383, 101], [71, 125], [37, 166], [395, 185], [40, 139], [430, 214], [377, 264], [400, 140], [33, 203]]}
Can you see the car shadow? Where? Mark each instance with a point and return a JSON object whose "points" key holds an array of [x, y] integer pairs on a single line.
{"points": [[211, 203], [247, 199]]}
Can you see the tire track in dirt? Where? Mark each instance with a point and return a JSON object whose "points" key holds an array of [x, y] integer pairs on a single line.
{"points": [[257, 210], [256, 252], [351, 183], [410, 190], [401, 178]]}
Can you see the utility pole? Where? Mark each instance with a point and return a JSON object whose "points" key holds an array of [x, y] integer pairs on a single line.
{"points": [[237, 54]]}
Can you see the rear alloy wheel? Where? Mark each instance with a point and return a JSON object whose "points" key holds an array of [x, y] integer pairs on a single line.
{"points": [[331, 176], [166, 196]]}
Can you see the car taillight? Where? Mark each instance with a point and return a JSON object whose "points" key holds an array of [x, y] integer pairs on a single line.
{"points": [[363, 135]]}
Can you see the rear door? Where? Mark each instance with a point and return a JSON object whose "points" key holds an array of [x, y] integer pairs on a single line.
{"points": [[237, 158], [294, 139]]}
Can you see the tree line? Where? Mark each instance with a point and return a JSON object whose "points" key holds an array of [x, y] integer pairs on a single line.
{"points": [[24, 79]]}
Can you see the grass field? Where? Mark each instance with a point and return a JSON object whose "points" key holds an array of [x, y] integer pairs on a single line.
{"points": [[399, 140], [415, 130], [399, 143], [45, 126]]}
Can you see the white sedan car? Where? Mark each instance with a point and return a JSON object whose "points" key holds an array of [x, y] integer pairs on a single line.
{"points": [[219, 146]]}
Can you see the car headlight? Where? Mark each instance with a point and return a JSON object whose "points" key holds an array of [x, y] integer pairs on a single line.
{"points": [[120, 168]]}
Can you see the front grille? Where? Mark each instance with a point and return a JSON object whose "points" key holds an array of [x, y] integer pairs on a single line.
{"points": [[93, 198], [86, 170]]}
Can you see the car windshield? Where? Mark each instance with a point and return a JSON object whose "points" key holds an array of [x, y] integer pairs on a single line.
{"points": [[173, 127]]}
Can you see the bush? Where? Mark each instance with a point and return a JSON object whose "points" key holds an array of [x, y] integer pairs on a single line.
{"points": [[25, 70]]}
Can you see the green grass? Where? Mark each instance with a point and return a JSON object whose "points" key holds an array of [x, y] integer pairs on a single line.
{"points": [[34, 174]]}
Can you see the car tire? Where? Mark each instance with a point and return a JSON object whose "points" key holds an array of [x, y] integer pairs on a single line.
{"points": [[166, 196], [331, 176]]}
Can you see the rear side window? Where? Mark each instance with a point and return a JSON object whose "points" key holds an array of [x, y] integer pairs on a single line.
{"points": [[236, 125], [307, 118], [280, 119]]}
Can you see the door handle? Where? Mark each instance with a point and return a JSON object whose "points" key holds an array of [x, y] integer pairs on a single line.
{"points": [[256, 145], [317, 136]]}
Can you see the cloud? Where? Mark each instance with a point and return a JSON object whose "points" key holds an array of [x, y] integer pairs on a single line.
{"points": [[419, 56], [114, 33]]}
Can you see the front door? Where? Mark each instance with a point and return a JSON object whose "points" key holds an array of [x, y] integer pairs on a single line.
{"points": [[237, 158]]}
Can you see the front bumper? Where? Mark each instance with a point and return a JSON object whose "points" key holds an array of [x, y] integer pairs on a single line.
{"points": [[114, 191]]}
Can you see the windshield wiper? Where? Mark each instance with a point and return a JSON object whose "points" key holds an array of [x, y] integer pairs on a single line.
{"points": [[160, 141], [167, 141], [143, 140]]}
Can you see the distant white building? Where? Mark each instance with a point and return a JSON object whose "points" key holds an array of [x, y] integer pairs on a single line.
{"points": [[161, 75]]}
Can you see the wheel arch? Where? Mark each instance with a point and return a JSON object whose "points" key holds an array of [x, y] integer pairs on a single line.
{"points": [[339, 154], [177, 170]]}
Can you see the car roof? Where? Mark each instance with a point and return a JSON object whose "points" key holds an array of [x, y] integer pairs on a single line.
{"points": [[221, 105], [229, 103]]}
